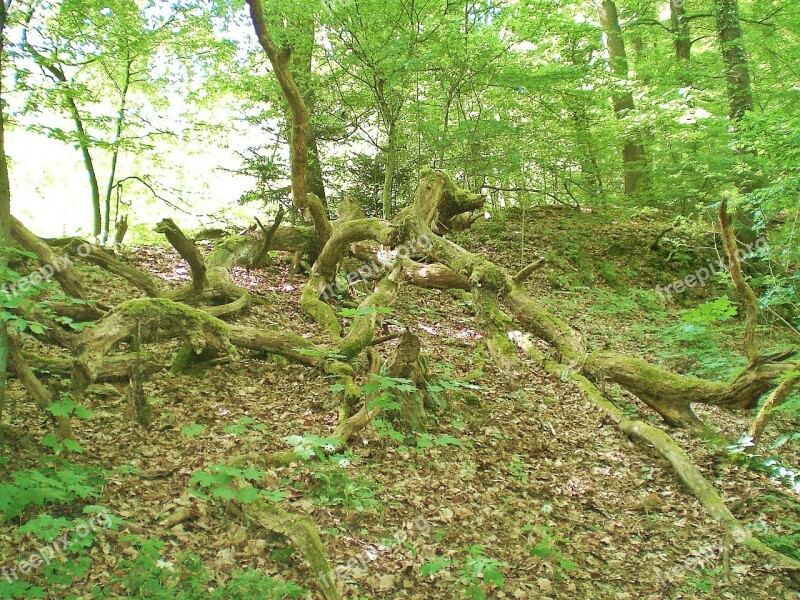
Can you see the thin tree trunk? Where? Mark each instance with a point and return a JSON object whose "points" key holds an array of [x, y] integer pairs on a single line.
{"points": [[80, 130], [115, 152], [740, 98], [301, 66], [680, 29], [737, 71], [88, 163], [388, 180], [279, 58], [634, 155], [5, 214]]}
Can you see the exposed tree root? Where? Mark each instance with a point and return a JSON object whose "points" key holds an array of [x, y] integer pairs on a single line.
{"points": [[152, 317], [114, 368], [262, 256], [362, 330], [775, 399], [528, 271], [672, 395], [62, 270], [688, 474], [40, 394], [439, 206], [187, 250], [404, 363], [705, 492], [634, 374], [301, 532], [211, 277], [100, 257]]}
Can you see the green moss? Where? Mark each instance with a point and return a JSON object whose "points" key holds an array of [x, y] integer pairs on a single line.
{"points": [[321, 312], [192, 323]]}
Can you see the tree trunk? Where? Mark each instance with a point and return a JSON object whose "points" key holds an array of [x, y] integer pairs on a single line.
{"points": [[301, 66], [115, 152], [388, 180], [737, 72], [680, 29], [740, 97], [72, 107], [634, 155], [88, 163], [5, 217], [279, 58]]}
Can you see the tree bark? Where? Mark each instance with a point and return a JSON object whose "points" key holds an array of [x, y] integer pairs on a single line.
{"points": [[776, 398], [743, 289], [681, 31], [279, 58], [388, 180], [5, 215], [302, 65], [737, 71], [634, 155], [188, 251], [62, 268], [120, 120], [40, 394]]}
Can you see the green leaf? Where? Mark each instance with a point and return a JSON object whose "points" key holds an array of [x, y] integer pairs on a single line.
{"points": [[247, 494], [82, 412], [193, 429], [224, 492], [36, 328], [235, 429], [199, 494], [51, 441], [62, 408], [72, 446], [434, 566], [274, 495], [367, 310], [446, 440], [201, 478], [493, 576]]}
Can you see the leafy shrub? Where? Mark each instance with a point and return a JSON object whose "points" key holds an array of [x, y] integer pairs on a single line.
{"points": [[152, 577], [48, 486]]}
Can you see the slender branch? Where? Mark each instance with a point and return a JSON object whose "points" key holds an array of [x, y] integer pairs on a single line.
{"points": [[527, 271], [269, 234], [743, 289]]}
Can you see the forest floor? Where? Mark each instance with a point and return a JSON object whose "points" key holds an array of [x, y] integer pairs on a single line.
{"points": [[533, 481]]}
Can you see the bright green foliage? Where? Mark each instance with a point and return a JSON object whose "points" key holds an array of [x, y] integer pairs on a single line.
{"points": [[517, 468], [245, 425], [335, 487], [367, 310], [154, 577], [193, 430], [308, 446], [48, 486], [229, 483], [479, 573], [721, 309], [547, 549], [67, 543]]}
